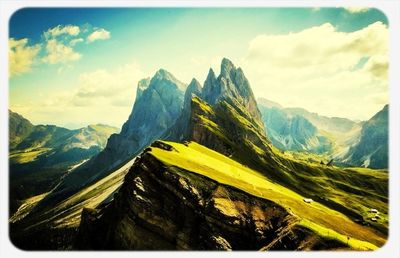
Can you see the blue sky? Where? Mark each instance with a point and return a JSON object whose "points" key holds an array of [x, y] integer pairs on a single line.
{"points": [[86, 70]]}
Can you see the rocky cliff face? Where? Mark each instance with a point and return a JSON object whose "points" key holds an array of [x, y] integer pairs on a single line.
{"points": [[180, 130], [167, 208]]}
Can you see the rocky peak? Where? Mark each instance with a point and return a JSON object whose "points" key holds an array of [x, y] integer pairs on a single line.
{"points": [[193, 88], [160, 102], [231, 85], [163, 75], [143, 84], [210, 90], [227, 67]]}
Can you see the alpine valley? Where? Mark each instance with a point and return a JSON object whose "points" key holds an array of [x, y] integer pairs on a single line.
{"points": [[201, 167]]}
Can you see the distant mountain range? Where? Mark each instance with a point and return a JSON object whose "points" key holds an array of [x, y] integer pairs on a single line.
{"points": [[193, 168], [44, 153], [341, 139]]}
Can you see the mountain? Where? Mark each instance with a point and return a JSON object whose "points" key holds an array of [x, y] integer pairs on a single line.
{"points": [[292, 132], [329, 124], [19, 128], [231, 84], [220, 185], [330, 136], [180, 130], [372, 149], [262, 102], [41, 154], [188, 197], [157, 106], [148, 213]]}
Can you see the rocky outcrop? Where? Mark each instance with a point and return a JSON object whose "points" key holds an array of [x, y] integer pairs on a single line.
{"points": [[167, 208]]}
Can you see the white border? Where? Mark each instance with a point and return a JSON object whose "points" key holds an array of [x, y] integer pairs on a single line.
{"points": [[390, 7]]}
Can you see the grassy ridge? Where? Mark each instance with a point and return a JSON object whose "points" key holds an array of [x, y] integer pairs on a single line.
{"points": [[352, 192], [315, 216]]}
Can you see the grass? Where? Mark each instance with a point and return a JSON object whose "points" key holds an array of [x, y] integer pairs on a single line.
{"points": [[27, 155], [201, 160]]}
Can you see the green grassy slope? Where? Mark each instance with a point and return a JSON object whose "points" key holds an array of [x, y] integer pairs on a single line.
{"points": [[346, 190], [319, 218]]}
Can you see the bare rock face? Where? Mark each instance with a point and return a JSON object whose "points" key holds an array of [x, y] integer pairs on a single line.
{"points": [[159, 102], [168, 208]]}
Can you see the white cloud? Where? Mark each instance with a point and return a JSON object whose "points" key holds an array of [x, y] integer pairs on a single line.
{"points": [[58, 52], [357, 9], [98, 34], [73, 42], [318, 69], [54, 32], [99, 96], [109, 87], [21, 56]]}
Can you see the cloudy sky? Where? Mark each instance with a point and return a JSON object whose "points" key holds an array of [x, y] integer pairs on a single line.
{"points": [[73, 67]]}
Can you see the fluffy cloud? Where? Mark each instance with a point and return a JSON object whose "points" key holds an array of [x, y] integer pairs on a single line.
{"points": [[58, 52], [59, 47], [117, 87], [73, 42], [99, 96], [98, 34], [357, 9], [21, 56], [71, 30], [321, 69]]}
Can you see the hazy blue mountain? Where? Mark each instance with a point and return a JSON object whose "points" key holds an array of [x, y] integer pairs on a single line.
{"points": [[268, 103], [372, 149], [288, 132], [329, 124], [157, 106], [318, 134]]}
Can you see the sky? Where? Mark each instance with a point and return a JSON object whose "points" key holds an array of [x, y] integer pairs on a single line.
{"points": [[74, 67]]}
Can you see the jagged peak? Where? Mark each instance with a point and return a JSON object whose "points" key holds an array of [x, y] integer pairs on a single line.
{"points": [[163, 74], [194, 88], [226, 67], [143, 84], [194, 84], [211, 75]]}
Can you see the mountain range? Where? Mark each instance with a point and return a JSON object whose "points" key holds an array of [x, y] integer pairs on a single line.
{"points": [[193, 168], [45, 153], [340, 139]]}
